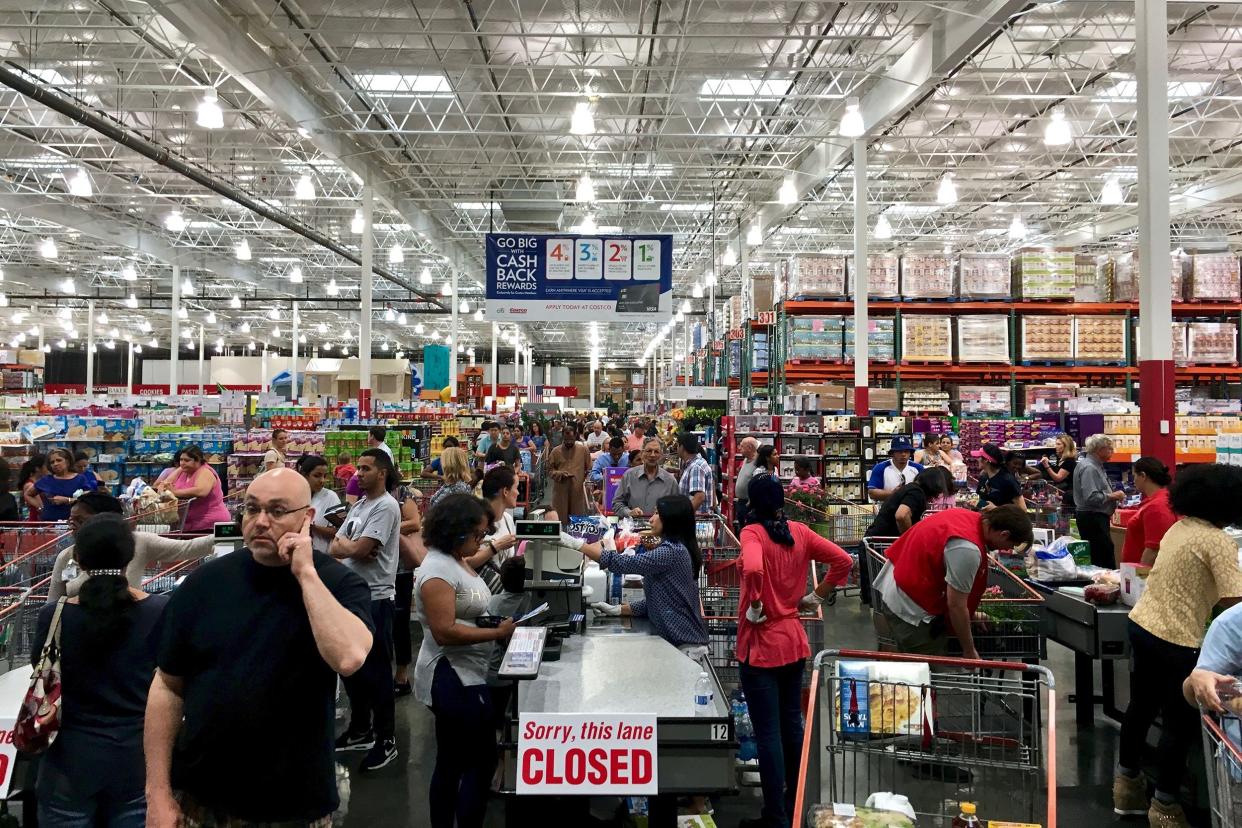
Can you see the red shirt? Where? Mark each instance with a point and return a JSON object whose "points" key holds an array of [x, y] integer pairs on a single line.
{"points": [[777, 576], [1146, 529]]}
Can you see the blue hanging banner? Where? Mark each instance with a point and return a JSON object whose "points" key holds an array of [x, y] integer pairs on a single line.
{"points": [[565, 278], [435, 367]]}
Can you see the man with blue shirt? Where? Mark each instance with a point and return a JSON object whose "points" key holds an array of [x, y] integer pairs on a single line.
{"points": [[894, 472], [614, 457], [1220, 662]]}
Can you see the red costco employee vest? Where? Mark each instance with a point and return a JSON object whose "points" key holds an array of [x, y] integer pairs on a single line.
{"points": [[918, 558]]}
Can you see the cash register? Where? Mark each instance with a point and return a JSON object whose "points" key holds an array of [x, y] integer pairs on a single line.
{"points": [[554, 577]]}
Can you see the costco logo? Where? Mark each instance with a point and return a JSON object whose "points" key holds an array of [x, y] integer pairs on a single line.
{"points": [[517, 310]]}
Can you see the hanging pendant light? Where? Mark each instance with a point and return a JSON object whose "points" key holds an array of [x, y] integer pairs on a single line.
{"points": [[883, 230], [1057, 133], [946, 193], [788, 193]]}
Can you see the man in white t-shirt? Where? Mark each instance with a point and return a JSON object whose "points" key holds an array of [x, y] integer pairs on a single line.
{"points": [[375, 440], [598, 438]]}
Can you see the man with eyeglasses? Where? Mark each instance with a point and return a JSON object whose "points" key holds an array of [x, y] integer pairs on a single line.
{"points": [[368, 542], [249, 651]]}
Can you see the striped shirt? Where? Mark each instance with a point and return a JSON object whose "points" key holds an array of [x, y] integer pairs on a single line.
{"points": [[672, 592]]}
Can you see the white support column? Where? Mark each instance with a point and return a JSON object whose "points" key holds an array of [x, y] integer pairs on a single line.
{"points": [[594, 367], [263, 370], [862, 280], [201, 359], [453, 275], [90, 346], [1156, 369], [174, 341], [495, 365], [129, 369], [530, 373], [689, 364], [517, 362], [364, 337], [293, 367]]}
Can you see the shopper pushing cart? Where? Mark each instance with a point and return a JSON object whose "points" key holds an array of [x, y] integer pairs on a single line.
{"points": [[936, 573]]}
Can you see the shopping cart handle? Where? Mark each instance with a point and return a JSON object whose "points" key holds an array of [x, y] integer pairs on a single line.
{"points": [[941, 661]]}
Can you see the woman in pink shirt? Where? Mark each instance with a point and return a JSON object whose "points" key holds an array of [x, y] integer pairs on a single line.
{"points": [[198, 482], [772, 646]]}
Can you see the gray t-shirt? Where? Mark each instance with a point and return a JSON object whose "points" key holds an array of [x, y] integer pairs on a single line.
{"points": [[468, 660], [961, 563], [741, 486], [380, 519]]}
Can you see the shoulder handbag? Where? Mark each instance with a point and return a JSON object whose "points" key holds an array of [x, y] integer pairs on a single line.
{"points": [[38, 721]]}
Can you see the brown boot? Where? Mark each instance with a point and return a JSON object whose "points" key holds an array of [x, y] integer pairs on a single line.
{"points": [[1166, 816], [1129, 795]]}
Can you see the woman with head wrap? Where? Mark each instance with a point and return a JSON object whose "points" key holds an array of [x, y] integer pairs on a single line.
{"points": [[772, 646]]}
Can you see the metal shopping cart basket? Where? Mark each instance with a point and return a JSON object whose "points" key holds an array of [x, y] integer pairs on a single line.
{"points": [[30, 552], [19, 616], [842, 528], [1011, 630], [1222, 747], [939, 731]]}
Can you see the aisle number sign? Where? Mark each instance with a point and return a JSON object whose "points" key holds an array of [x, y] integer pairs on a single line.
{"points": [[548, 278], [577, 753]]}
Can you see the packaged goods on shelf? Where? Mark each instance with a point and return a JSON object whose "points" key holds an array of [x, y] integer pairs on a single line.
{"points": [[1179, 342], [879, 339], [983, 399], [1093, 278], [924, 400], [1049, 338], [1126, 275], [736, 318], [926, 338], [1212, 342], [735, 358], [1100, 339], [882, 276], [926, 276], [1214, 276], [1046, 397], [983, 276], [983, 338], [814, 275], [1044, 274], [759, 356], [816, 338]]}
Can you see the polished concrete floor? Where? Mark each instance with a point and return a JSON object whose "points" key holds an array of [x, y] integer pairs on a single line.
{"points": [[397, 795]]}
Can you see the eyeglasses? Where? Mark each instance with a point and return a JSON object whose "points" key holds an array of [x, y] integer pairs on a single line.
{"points": [[252, 510]]}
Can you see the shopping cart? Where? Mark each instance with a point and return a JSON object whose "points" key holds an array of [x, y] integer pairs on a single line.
{"points": [[19, 616], [1011, 631], [30, 552], [1222, 747], [163, 578], [962, 731], [842, 528]]}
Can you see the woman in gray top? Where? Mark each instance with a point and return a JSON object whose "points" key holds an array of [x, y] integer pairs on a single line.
{"points": [[93, 774], [450, 675]]}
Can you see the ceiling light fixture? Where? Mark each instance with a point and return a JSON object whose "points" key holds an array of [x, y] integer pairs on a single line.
{"points": [[356, 223], [305, 189], [129, 273], [588, 225], [390, 315], [852, 120], [187, 287], [946, 193], [250, 345], [144, 326], [274, 313], [333, 287], [67, 286], [211, 317], [446, 289], [478, 315], [711, 281], [582, 122], [102, 318], [464, 307], [585, 191], [883, 230], [402, 319], [235, 302], [729, 259], [697, 291], [1112, 192], [242, 251], [210, 115], [1057, 133], [47, 248], [395, 254], [686, 306], [153, 342], [754, 236], [788, 193], [131, 302], [1017, 230], [80, 184], [245, 327], [418, 328], [424, 278], [182, 313], [174, 222]]}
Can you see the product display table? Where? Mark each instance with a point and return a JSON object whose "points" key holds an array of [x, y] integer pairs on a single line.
{"points": [[618, 666], [1094, 633]]}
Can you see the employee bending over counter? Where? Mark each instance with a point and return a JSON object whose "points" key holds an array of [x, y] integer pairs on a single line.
{"points": [[670, 571]]}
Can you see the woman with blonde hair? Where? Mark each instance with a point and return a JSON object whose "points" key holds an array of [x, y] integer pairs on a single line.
{"points": [[458, 478], [1061, 473]]}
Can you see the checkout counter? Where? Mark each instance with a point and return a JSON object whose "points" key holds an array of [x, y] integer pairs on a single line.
{"points": [[575, 664]]}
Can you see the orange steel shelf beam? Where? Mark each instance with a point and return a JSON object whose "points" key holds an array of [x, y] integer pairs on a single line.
{"points": [[812, 307]]}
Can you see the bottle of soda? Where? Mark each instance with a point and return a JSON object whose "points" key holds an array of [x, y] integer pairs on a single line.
{"points": [[966, 817]]}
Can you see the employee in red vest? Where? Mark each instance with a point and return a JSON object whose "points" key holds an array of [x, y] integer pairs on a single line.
{"points": [[936, 573]]}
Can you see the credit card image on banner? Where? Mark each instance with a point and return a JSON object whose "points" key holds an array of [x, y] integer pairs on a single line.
{"points": [[617, 259], [559, 257], [589, 263]]}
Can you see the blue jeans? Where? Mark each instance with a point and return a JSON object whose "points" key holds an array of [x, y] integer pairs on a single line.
{"points": [[774, 699], [465, 750], [99, 811]]}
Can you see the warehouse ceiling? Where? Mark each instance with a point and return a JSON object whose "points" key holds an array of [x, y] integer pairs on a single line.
{"points": [[459, 115]]}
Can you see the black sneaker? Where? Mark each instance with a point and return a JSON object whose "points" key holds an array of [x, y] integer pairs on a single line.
{"points": [[383, 754], [355, 741], [400, 688]]}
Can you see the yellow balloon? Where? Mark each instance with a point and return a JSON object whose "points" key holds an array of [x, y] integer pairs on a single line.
{"points": [[446, 393]]}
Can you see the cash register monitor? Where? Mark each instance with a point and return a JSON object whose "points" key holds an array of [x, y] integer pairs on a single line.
{"points": [[549, 578]]}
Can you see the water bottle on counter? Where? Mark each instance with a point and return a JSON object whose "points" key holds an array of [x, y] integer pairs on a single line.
{"points": [[703, 701]]}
